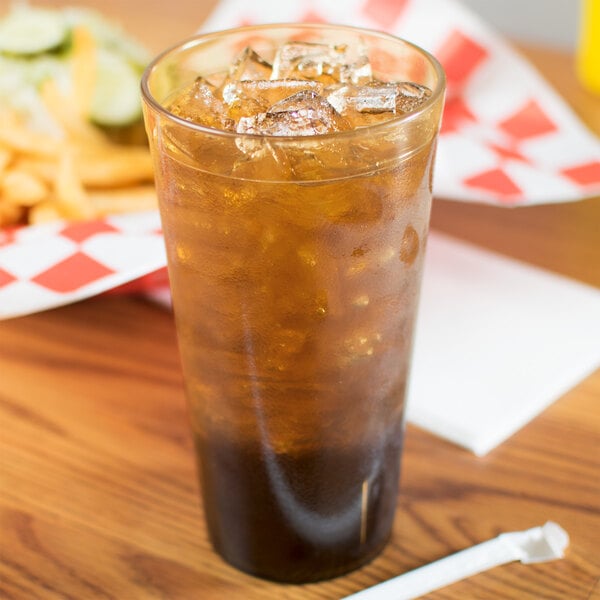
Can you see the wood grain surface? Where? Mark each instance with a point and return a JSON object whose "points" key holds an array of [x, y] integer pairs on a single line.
{"points": [[98, 494], [99, 497]]}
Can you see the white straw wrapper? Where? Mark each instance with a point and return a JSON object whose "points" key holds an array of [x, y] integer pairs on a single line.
{"points": [[539, 544]]}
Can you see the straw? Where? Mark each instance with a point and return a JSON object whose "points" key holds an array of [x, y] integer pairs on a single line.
{"points": [[539, 544]]}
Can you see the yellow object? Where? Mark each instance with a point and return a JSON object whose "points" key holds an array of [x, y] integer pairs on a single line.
{"points": [[588, 52]]}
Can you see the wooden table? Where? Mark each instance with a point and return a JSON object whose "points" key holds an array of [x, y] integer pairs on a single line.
{"points": [[98, 495]]}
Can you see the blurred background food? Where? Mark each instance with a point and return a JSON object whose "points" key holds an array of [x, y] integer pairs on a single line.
{"points": [[72, 144]]}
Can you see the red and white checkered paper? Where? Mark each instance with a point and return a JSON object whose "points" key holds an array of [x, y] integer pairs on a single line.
{"points": [[507, 138], [49, 265]]}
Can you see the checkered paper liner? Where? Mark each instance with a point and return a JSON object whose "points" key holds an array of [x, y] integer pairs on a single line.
{"points": [[506, 139], [50, 265]]}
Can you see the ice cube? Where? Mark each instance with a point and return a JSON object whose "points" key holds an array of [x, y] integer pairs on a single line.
{"points": [[199, 104], [283, 124], [305, 100], [410, 96], [372, 98], [249, 65], [322, 62], [259, 158], [244, 107], [377, 101], [267, 92], [304, 113]]}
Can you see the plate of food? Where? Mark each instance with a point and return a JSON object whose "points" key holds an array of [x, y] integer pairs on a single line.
{"points": [[77, 200], [72, 144]]}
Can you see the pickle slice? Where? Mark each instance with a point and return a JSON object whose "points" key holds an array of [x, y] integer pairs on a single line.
{"points": [[116, 99], [28, 31]]}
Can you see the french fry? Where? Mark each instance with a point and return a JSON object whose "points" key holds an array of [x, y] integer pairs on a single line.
{"points": [[5, 159], [70, 195], [114, 166], [22, 188], [10, 213], [121, 200], [44, 212], [22, 140], [43, 167], [83, 68]]}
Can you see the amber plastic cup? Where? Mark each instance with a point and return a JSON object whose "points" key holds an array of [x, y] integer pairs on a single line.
{"points": [[295, 265]]}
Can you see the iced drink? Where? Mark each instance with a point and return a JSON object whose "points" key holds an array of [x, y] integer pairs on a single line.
{"points": [[294, 166]]}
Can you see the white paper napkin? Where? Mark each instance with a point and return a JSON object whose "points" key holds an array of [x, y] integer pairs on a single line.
{"points": [[497, 341]]}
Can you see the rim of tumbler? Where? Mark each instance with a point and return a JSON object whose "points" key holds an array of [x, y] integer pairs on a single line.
{"points": [[198, 39]]}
